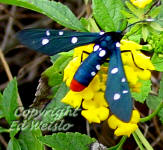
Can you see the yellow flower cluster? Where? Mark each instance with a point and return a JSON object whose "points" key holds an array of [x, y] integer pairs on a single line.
{"points": [[140, 3], [95, 107], [136, 64]]}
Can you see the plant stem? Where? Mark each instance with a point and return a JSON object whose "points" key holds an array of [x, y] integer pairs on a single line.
{"points": [[123, 139], [119, 145], [143, 140], [152, 114], [8, 72], [5, 65], [138, 141]]}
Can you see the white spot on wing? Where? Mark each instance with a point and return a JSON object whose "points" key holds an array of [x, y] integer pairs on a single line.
{"points": [[118, 44], [98, 67], [60, 32], [124, 91], [74, 40], [114, 70], [102, 53], [116, 96], [96, 47], [93, 73], [123, 80], [45, 41], [47, 32], [101, 33]]}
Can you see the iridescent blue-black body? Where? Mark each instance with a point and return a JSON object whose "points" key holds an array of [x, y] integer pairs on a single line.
{"points": [[91, 65]]}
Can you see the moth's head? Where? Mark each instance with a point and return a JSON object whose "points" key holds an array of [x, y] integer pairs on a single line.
{"points": [[116, 36]]}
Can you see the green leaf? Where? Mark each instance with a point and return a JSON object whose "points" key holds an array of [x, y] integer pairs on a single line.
{"points": [[3, 130], [61, 92], [1, 112], [14, 128], [155, 11], [29, 139], [55, 10], [127, 14], [13, 144], [135, 11], [9, 102], [23, 145], [145, 33], [161, 88], [54, 74], [160, 114], [145, 89], [157, 62], [134, 34], [57, 105], [90, 24], [153, 102], [108, 14], [156, 26], [68, 141]]}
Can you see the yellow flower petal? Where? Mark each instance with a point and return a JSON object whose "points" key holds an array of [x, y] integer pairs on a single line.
{"points": [[70, 70], [78, 51], [135, 116], [129, 128], [136, 87], [91, 118], [131, 75], [141, 3], [142, 60], [123, 128], [96, 115], [129, 45], [113, 122], [144, 74], [72, 98]]}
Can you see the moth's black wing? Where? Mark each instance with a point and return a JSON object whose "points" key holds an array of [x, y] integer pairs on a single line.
{"points": [[51, 42], [117, 89]]}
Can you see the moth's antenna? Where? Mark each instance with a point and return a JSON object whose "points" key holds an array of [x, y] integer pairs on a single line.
{"points": [[146, 20]]}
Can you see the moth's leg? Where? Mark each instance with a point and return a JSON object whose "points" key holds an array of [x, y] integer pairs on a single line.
{"points": [[84, 52], [125, 51]]}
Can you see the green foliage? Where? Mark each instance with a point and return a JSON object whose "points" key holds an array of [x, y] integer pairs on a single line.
{"points": [[153, 102], [54, 10], [108, 14], [155, 11], [1, 112], [160, 114], [161, 89], [70, 141], [157, 61], [145, 89], [57, 104], [54, 74], [156, 41], [28, 140], [9, 101], [13, 144]]}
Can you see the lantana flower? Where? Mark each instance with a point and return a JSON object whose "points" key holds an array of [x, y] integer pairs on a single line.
{"points": [[123, 128], [95, 107], [140, 3], [137, 66]]}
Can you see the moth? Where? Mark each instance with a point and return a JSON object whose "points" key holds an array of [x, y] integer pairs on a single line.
{"points": [[106, 45]]}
